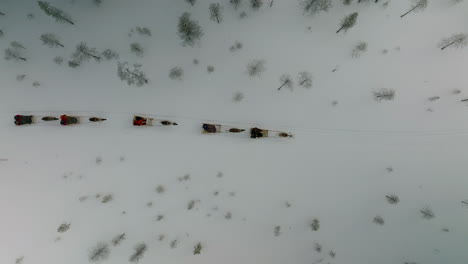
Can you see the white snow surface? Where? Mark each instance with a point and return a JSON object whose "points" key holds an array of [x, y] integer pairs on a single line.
{"points": [[334, 170]]}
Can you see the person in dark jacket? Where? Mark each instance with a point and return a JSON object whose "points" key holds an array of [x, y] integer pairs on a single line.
{"points": [[256, 132], [23, 120], [208, 128]]}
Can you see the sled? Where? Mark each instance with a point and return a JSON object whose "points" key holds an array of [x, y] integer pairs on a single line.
{"points": [[216, 128], [151, 121], [31, 119], [265, 133], [75, 120]]}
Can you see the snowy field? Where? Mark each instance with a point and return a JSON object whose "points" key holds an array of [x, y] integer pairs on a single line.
{"points": [[321, 197]]}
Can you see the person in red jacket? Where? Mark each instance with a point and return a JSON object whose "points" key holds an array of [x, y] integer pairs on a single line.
{"points": [[68, 120], [139, 121]]}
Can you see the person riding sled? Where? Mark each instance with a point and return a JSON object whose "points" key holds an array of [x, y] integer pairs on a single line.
{"points": [[139, 121], [23, 119], [68, 120]]}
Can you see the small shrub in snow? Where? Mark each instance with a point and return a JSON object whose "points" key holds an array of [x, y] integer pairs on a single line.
{"points": [[228, 215], [255, 67], [197, 248], [332, 254], [318, 247], [140, 250], [58, 60], [107, 198], [277, 231], [360, 48], [161, 237], [210, 68], [36, 84], [465, 202], [195, 61], [160, 189], [109, 54], [20, 77], [238, 96], [315, 224], [159, 217], [176, 73], [100, 252], [427, 213], [304, 79], [137, 49], [19, 260], [14, 54], [30, 16], [235, 3], [192, 2], [384, 94], [143, 31], [242, 14], [378, 220], [191, 204], [256, 4], [118, 239], [63, 227], [392, 199], [174, 243]]}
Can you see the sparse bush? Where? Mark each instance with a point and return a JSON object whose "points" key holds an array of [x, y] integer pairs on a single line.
{"points": [[277, 230], [36, 84], [160, 189], [118, 239], [107, 198], [318, 247], [58, 60], [427, 213], [197, 248], [392, 199], [174, 243], [238, 96], [228, 215], [63, 227], [360, 48], [384, 94], [191, 204], [161, 237], [100, 252], [255, 67], [315, 224], [176, 73], [159, 217], [20, 77], [140, 250], [304, 79], [210, 68], [137, 49], [378, 220]]}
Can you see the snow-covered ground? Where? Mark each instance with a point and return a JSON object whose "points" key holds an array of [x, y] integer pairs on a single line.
{"points": [[343, 161]]}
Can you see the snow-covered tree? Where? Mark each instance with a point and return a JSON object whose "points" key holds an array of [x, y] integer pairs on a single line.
{"points": [[360, 48], [256, 4], [50, 40], [384, 94], [136, 48], [287, 81], [100, 252], [189, 30], [140, 250], [255, 67], [348, 22], [459, 40], [192, 2], [304, 79], [58, 14], [313, 7], [131, 75], [83, 52], [235, 3], [176, 73], [418, 5], [216, 12], [14, 54]]}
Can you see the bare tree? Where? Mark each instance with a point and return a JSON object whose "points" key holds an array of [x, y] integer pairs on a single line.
{"points": [[392, 199], [287, 81], [312, 7], [189, 30], [117, 239], [459, 40], [235, 3], [418, 5], [360, 48], [50, 40], [216, 12], [140, 250], [197, 248], [256, 4], [58, 14], [176, 73], [14, 54], [256, 67], [131, 76], [304, 79], [100, 252], [83, 52], [348, 22], [427, 213], [384, 94], [136, 48], [192, 2]]}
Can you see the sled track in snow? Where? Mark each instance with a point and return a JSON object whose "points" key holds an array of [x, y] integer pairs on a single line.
{"points": [[292, 129]]}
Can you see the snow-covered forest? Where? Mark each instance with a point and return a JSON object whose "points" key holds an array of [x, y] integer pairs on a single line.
{"points": [[374, 92]]}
